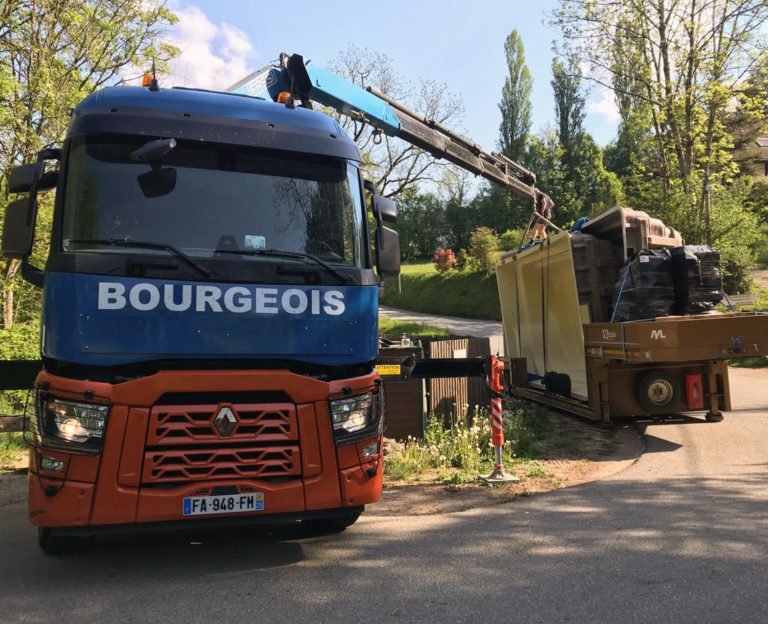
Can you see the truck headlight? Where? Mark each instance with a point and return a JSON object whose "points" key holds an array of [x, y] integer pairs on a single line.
{"points": [[354, 417], [69, 424]]}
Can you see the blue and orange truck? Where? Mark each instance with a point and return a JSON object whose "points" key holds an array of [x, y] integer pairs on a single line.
{"points": [[209, 325]]}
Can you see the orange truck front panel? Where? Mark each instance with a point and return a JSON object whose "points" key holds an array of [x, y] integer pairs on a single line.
{"points": [[182, 434]]}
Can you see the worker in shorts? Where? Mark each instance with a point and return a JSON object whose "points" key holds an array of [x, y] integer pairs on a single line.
{"points": [[543, 205]]}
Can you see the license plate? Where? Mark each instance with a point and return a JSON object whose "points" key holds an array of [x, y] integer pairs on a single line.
{"points": [[223, 504]]}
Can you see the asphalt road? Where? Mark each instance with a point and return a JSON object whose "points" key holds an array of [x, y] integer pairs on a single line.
{"points": [[459, 326], [680, 536]]}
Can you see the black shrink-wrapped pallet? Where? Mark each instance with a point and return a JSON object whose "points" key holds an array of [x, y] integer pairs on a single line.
{"points": [[648, 290], [698, 280]]}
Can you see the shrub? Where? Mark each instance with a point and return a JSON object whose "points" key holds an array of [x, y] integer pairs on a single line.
{"points": [[510, 240], [462, 260], [443, 260], [484, 245]]}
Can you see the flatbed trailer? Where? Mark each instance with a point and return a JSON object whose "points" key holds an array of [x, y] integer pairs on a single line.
{"points": [[608, 370]]}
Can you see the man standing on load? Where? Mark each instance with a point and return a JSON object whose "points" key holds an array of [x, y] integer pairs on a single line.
{"points": [[543, 205]]}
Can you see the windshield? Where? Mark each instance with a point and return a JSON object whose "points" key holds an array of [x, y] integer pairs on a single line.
{"points": [[207, 198]]}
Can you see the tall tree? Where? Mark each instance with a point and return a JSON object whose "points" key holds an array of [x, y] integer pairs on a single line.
{"points": [[393, 164], [515, 105], [569, 101], [52, 54]]}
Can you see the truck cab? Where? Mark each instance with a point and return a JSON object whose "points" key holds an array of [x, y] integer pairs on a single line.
{"points": [[209, 323]]}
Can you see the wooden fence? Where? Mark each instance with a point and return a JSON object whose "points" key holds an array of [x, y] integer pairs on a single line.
{"points": [[11, 423]]}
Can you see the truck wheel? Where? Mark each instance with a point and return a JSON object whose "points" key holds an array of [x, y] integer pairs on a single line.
{"points": [[331, 525], [656, 391], [53, 544]]}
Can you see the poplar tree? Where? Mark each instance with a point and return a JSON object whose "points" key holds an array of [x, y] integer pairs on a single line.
{"points": [[515, 105]]}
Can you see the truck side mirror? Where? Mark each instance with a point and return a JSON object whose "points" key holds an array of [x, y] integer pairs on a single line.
{"points": [[387, 251], [19, 228], [22, 179], [384, 209]]}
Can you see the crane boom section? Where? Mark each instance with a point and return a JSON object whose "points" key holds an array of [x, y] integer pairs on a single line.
{"points": [[309, 82]]}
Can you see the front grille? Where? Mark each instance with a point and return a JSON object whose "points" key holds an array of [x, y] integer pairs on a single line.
{"points": [[173, 425], [188, 465], [183, 443]]}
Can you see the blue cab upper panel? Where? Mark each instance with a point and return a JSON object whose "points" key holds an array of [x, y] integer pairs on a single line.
{"points": [[212, 116]]}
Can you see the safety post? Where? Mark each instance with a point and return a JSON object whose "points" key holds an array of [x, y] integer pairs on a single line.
{"points": [[495, 380]]}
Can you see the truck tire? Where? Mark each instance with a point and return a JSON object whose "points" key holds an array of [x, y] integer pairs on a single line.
{"points": [[53, 544], [656, 391], [331, 525]]}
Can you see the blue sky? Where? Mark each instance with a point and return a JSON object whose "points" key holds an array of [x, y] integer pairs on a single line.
{"points": [[460, 44]]}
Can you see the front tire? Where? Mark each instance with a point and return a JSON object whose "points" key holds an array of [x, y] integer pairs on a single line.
{"points": [[52, 544], [331, 525]]}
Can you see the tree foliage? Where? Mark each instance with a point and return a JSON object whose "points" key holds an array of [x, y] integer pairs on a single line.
{"points": [[515, 105], [52, 54], [391, 163], [420, 223], [674, 67], [569, 100]]}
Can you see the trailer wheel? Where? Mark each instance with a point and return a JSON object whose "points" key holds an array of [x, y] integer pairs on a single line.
{"points": [[53, 544], [656, 391]]}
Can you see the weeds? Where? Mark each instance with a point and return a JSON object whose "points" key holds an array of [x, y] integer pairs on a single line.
{"points": [[460, 450], [12, 449]]}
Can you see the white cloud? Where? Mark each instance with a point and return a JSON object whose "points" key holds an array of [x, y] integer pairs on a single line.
{"points": [[213, 56], [605, 106]]}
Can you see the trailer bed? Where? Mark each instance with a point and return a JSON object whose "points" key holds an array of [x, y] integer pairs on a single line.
{"points": [[679, 338]]}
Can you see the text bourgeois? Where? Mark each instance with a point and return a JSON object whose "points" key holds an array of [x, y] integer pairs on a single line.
{"points": [[207, 297]]}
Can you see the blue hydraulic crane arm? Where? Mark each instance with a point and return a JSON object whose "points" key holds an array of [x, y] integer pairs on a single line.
{"points": [[308, 82]]}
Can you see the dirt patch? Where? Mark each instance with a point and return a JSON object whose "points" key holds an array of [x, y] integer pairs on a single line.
{"points": [[574, 451], [13, 486]]}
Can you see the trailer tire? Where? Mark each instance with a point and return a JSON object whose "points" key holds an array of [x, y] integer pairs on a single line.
{"points": [[656, 391], [53, 544]]}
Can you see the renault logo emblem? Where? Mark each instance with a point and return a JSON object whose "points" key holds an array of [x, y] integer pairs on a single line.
{"points": [[225, 421]]}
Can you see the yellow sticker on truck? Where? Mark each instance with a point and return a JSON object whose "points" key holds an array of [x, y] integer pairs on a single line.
{"points": [[388, 369]]}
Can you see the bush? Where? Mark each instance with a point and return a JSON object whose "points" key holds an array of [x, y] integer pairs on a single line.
{"points": [[443, 260], [736, 273], [462, 260], [484, 245], [510, 240]]}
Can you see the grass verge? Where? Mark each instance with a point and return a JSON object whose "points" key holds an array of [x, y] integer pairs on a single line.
{"points": [[396, 328], [456, 453], [454, 293], [13, 450]]}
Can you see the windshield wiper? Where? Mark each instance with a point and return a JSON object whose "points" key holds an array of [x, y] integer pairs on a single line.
{"points": [[287, 254], [127, 242]]}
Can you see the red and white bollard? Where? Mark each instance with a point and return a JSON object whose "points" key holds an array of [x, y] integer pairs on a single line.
{"points": [[497, 431]]}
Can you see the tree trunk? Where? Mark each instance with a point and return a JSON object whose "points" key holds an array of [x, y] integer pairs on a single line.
{"points": [[8, 303]]}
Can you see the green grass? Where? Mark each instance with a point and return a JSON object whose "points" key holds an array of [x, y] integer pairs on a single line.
{"points": [[459, 451], [761, 298], [759, 361], [394, 327], [469, 295], [12, 448]]}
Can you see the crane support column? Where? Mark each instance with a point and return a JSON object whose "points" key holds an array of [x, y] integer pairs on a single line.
{"points": [[497, 424]]}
